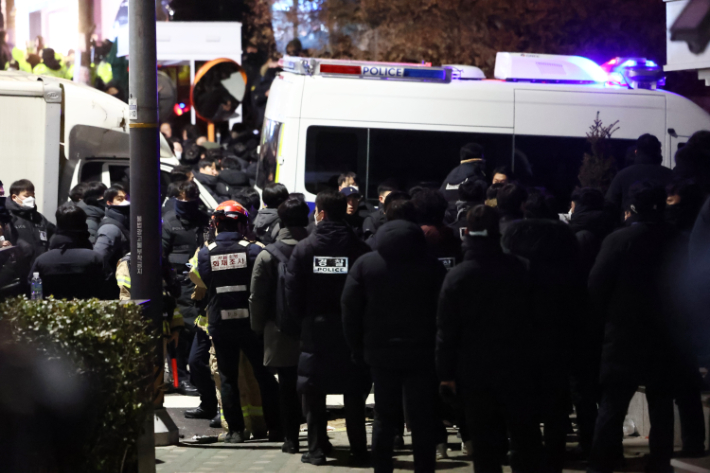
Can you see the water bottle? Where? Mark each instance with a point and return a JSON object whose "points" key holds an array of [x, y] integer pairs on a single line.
{"points": [[36, 287]]}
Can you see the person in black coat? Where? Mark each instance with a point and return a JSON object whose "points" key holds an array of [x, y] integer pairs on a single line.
{"points": [[471, 194], [231, 178], [94, 206], [27, 229], [647, 167], [473, 165], [590, 223], [185, 229], [645, 338], [558, 295], [510, 200], [113, 238], [377, 218], [486, 348], [395, 334], [71, 269], [267, 223], [316, 275]]}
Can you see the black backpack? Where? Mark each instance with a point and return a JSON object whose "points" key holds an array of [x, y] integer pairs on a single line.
{"points": [[282, 253]]}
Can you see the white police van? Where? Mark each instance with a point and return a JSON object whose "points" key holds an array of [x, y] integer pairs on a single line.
{"points": [[408, 122]]}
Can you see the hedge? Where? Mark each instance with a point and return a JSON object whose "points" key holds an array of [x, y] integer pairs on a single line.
{"points": [[111, 348]]}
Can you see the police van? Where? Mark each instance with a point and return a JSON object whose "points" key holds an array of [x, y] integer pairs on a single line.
{"points": [[408, 121]]}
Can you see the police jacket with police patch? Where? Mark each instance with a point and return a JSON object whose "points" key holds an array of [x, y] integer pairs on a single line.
{"points": [[317, 271], [225, 266]]}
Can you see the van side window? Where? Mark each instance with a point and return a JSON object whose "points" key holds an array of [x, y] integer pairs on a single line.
{"points": [[553, 162], [331, 151], [267, 170], [409, 157]]}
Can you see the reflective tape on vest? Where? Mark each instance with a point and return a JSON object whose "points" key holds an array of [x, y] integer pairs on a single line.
{"points": [[223, 289], [234, 314]]}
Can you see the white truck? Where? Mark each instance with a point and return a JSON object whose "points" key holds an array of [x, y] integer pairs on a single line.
{"points": [[58, 133]]}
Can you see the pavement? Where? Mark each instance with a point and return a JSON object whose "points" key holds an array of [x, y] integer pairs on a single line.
{"points": [[266, 457]]}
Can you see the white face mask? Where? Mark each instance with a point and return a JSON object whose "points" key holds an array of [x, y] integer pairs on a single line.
{"points": [[29, 203], [178, 154], [123, 204], [315, 218]]}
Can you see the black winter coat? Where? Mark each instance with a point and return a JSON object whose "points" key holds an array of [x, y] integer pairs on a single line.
{"points": [[390, 299], [30, 232], [316, 276], [457, 176], [94, 215], [373, 222], [643, 170], [71, 269], [230, 182], [486, 334], [631, 287], [590, 227]]}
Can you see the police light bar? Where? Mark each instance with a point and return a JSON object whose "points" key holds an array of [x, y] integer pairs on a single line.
{"points": [[463, 72], [366, 70], [548, 68], [634, 73]]}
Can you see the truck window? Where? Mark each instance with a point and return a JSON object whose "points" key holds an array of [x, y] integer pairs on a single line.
{"points": [[553, 162], [267, 169], [118, 174], [91, 172], [332, 151]]}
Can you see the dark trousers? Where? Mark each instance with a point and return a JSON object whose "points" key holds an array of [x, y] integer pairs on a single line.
{"points": [[608, 450], [317, 419], [489, 413], [290, 403], [556, 406], [182, 353], [229, 339], [585, 392], [418, 388], [200, 374], [692, 419]]}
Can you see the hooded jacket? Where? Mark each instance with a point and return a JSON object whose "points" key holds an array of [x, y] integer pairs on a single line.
{"points": [[457, 176], [31, 233], [316, 275], [113, 242], [645, 168], [390, 298], [71, 269], [94, 215], [267, 225]]}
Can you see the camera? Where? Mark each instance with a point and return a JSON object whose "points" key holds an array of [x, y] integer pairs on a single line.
{"points": [[693, 26]]}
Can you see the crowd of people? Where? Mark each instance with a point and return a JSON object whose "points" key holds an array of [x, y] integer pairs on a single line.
{"points": [[474, 304]]}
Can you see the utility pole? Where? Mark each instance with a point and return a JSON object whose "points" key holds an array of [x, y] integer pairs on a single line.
{"points": [[146, 245]]}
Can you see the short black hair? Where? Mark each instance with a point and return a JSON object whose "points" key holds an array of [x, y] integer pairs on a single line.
{"points": [[71, 217], [401, 209], [231, 163], [274, 194], [193, 132], [250, 199], [180, 173], [333, 203], [215, 154], [174, 189], [646, 197], [431, 206], [473, 190], [387, 186], [94, 192], [192, 153], [293, 212], [471, 151], [540, 204], [205, 163], [393, 197], [189, 189], [76, 193], [23, 185], [505, 170], [511, 198], [112, 192], [484, 218], [649, 145]]}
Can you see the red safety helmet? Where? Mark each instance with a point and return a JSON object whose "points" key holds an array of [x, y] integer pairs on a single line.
{"points": [[229, 209]]}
